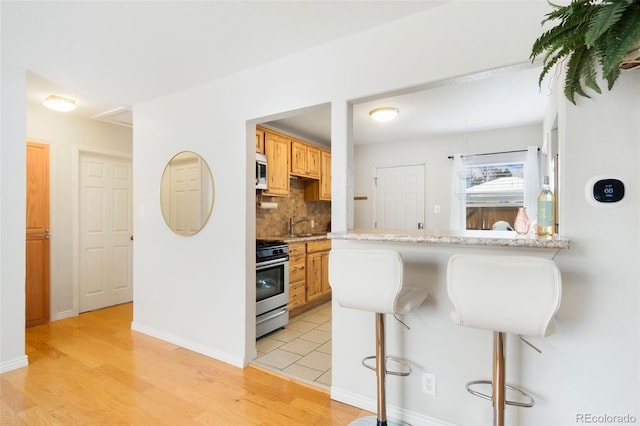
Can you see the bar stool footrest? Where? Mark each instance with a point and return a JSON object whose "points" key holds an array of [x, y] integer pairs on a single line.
{"points": [[530, 401], [404, 364]]}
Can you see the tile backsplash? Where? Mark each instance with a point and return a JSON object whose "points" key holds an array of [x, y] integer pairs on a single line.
{"points": [[274, 222]]}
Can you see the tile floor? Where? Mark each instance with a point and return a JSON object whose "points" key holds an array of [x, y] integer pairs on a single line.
{"points": [[302, 349]]}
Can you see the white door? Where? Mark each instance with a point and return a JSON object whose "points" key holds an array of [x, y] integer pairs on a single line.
{"points": [[400, 197], [105, 259]]}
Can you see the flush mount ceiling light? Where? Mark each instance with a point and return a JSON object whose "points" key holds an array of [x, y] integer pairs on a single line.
{"points": [[384, 113], [58, 103]]}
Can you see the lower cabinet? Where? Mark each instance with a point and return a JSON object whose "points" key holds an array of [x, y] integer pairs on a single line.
{"points": [[308, 275], [297, 274]]}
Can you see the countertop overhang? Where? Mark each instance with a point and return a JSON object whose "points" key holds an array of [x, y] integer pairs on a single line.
{"points": [[456, 238]]}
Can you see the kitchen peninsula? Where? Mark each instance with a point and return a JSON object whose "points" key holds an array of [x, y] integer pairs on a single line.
{"points": [[432, 343], [454, 238]]}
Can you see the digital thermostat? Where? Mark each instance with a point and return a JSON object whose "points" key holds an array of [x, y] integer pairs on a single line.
{"points": [[604, 190]]}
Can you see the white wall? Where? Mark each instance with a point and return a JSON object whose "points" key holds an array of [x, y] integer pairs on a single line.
{"points": [[597, 359], [13, 164], [67, 135], [433, 152]]}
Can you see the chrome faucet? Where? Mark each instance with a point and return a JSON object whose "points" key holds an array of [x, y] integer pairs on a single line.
{"points": [[293, 222]]}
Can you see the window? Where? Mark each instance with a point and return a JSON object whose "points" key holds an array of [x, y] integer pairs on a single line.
{"points": [[494, 187]]}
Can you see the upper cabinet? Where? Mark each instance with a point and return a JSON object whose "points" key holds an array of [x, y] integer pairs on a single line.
{"points": [[276, 148], [287, 156], [260, 141], [320, 190], [305, 160]]}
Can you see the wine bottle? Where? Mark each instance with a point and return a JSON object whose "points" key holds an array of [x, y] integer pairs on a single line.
{"points": [[545, 210]]}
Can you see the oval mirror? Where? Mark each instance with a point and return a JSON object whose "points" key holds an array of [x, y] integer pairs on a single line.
{"points": [[186, 193]]}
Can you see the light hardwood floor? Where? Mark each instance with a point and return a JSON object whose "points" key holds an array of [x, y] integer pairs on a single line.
{"points": [[94, 370]]}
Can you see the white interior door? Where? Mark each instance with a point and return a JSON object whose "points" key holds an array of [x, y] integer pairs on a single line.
{"points": [[105, 259], [400, 197]]}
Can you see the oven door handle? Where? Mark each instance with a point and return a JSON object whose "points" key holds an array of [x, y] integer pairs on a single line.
{"points": [[268, 263], [270, 317]]}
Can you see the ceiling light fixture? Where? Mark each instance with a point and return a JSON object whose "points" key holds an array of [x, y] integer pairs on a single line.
{"points": [[58, 103], [384, 113]]}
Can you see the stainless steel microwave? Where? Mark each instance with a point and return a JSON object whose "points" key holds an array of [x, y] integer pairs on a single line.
{"points": [[261, 171]]}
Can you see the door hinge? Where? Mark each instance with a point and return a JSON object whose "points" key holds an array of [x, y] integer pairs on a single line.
{"points": [[375, 181]]}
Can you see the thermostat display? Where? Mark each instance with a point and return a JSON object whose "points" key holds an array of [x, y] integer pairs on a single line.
{"points": [[608, 190]]}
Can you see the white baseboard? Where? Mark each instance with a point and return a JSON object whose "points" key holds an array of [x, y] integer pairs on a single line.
{"points": [[189, 344], [63, 315], [393, 412], [14, 364]]}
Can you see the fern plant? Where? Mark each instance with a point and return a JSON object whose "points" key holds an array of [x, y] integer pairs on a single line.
{"points": [[590, 33]]}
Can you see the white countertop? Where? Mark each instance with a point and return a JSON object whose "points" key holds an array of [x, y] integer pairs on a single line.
{"points": [[469, 238]]}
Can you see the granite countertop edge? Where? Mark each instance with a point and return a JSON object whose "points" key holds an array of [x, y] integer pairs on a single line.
{"points": [[503, 239], [293, 239]]}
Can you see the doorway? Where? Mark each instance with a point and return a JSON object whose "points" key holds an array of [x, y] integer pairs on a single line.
{"points": [[37, 280], [105, 231], [400, 197]]}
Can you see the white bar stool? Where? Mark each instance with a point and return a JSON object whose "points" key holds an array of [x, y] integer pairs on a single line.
{"points": [[372, 280], [505, 294]]}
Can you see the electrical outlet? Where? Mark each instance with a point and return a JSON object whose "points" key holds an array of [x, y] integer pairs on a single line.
{"points": [[429, 384], [313, 223], [436, 209]]}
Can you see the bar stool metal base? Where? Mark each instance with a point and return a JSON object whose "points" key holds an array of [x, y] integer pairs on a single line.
{"points": [[530, 401], [381, 373], [498, 384], [403, 363], [373, 421]]}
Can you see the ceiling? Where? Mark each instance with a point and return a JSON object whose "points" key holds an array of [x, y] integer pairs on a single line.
{"points": [[111, 55], [497, 99]]}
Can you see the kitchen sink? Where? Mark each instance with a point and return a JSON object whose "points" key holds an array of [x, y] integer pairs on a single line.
{"points": [[306, 234]]}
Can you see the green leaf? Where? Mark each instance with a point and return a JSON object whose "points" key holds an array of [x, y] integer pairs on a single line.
{"points": [[603, 19], [572, 84], [550, 40], [620, 39], [612, 77]]}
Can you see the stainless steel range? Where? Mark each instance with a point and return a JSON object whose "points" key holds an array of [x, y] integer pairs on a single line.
{"points": [[272, 286]]}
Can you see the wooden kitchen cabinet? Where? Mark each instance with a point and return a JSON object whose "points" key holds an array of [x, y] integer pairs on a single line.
{"points": [[260, 141], [318, 269], [305, 160], [320, 190], [325, 175], [276, 148], [297, 274], [308, 275]]}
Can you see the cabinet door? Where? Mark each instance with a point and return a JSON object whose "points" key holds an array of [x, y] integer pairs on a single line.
{"points": [[314, 275], [326, 287], [278, 158], [260, 141], [325, 176], [313, 162], [298, 158]]}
